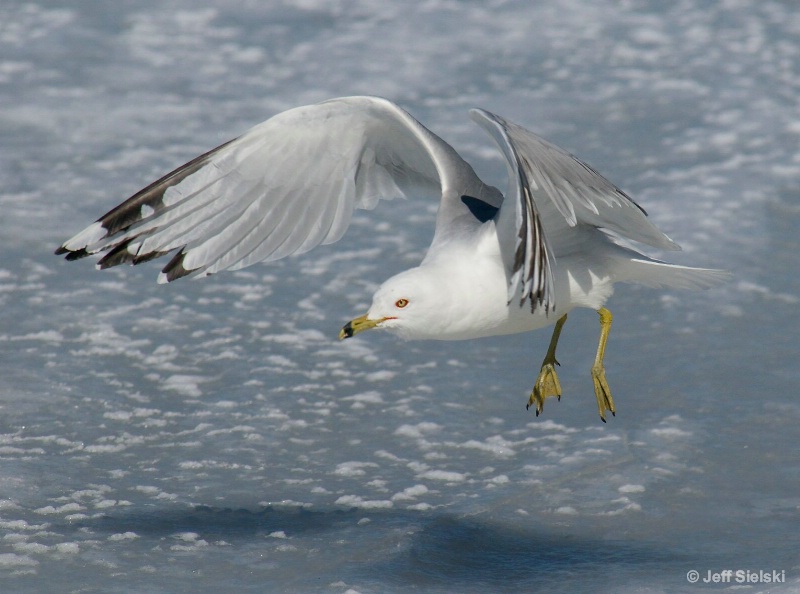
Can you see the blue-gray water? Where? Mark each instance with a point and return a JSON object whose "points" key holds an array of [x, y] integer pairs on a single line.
{"points": [[215, 436]]}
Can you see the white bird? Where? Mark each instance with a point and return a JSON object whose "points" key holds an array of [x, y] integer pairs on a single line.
{"points": [[497, 265]]}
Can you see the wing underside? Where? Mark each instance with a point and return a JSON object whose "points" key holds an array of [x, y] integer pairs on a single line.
{"points": [[282, 188]]}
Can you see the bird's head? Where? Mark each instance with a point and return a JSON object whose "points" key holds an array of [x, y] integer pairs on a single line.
{"points": [[408, 304]]}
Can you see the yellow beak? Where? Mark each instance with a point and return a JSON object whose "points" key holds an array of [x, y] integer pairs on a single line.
{"points": [[357, 325]]}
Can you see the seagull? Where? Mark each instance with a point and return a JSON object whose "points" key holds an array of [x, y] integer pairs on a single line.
{"points": [[559, 239]]}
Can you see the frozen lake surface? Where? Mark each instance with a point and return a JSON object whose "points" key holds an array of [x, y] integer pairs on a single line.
{"points": [[216, 436]]}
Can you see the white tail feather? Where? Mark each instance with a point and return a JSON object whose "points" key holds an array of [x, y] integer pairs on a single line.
{"points": [[653, 273]]}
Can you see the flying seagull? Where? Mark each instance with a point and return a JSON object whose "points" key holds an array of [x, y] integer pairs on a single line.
{"points": [[559, 239]]}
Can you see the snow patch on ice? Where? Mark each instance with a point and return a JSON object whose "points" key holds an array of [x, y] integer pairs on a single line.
{"points": [[120, 536], [356, 501], [418, 430], [11, 560], [353, 468], [410, 493], [444, 475], [185, 385]]}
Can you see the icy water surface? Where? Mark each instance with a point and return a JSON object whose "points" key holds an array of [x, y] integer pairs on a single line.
{"points": [[215, 436]]}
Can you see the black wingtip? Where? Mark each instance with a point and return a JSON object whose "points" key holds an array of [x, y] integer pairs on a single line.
{"points": [[119, 254], [72, 255], [69, 254], [141, 258], [175, 269]]}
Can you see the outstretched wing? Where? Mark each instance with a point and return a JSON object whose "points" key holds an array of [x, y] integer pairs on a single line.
{"points": [[550, 189], [284, 187]]}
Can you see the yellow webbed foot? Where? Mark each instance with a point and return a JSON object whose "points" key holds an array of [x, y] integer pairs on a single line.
{"points": [[547, 385], [603, 393]]}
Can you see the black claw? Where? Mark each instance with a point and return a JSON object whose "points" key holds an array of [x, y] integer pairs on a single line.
{"points": [[603, 419]]}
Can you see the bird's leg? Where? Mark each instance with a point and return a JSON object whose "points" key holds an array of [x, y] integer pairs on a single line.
{"points": [[601, 389], [547, 383]]}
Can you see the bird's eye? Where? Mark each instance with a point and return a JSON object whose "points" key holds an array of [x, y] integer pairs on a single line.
{"points": [[401, 303]]}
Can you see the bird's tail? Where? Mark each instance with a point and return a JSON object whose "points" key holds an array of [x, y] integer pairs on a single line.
{"points": [[654, 273]]}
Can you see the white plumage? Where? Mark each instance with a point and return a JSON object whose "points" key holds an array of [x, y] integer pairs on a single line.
{"points": [[496, 265]]}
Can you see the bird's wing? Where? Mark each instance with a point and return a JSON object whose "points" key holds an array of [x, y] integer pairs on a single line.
{"points": [[550, 189], [284, 187]]}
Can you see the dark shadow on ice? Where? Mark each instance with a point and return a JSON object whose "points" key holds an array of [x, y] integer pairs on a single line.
{"points": [[225, 523], [429, 550], [450, 550]]}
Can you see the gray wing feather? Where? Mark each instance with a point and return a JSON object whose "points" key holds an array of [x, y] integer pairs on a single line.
{"points": [[283, 187], [580, 194], [550, 191], [526, 251]]}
